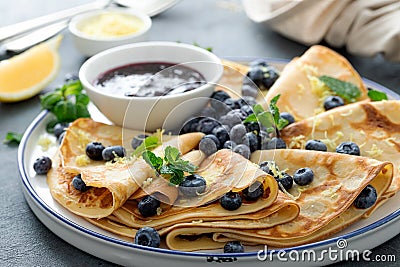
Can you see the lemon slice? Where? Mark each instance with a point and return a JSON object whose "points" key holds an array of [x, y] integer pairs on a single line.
{"points": [[28, 73]]}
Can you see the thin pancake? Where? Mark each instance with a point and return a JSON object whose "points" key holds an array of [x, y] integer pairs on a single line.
{"points": [[111, 184], [298, 83], [325, 205], [374, 126]]}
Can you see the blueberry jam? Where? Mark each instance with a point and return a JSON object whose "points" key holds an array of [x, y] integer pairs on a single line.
{"points": [[149, 79]]}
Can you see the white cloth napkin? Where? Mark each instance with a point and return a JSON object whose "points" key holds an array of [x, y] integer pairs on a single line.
{"points": [[365, 27]]}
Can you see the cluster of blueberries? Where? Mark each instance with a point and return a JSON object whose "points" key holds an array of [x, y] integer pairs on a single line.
{"points": [[222, 124]]}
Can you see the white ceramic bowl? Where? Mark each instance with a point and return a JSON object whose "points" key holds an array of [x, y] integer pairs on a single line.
{"points": [[151, 113], [89, 44]]}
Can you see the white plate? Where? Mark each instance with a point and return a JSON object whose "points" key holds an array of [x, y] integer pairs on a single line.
{"points": [[363, 235], [150, 7]]}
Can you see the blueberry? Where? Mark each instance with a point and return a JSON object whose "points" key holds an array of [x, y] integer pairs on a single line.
{"points": [[220, 95], [253, 192], [246, 110], [231, 103], [287, 116], [229, 144], [111, 152], [79, 184], [276, 143], [270, 76], [147, 236], [259, 62], [208, 146], [237, 132], [42, 165], [138, 140], [219, 106], [245, 141], [209, 112], [59, 128], [256, 74], [349, 148], [214, 138], [230, 120], [253, 141], [241, 102], [286, 181], [233, 247], [366, 198], [190, 125], [249, 100], [148, 206], [222, 135], [333, 102], [316, 145], [231, 201], [252, 126], [207, 125], [303, 176], [267, 166], [248, 90], [237, 112], [192, 185], [94, 150], [242, 150]]}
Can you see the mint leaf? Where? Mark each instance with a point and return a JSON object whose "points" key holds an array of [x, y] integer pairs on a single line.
{"points": [[172, 168], [12, 138], [279, 121], [155, 162], [172, 157], [171, 154], [67, 103], [346, 90], [264, 117], [177, 176], [148, 143], [65, 111], [377, 95], [49, 99], [72, 88], [50, 126]]}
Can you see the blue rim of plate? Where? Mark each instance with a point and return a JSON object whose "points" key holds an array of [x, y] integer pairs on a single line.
{"points": [[26, 183]]}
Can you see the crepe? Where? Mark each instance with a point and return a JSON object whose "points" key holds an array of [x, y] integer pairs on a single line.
{"points": [[111, 184], [223, 171], [374, 126], [302, 94], [325, 205]]}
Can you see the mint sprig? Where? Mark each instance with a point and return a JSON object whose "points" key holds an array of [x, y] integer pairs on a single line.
{"points": [[377, 95], [345, 90], [269, 119], [172, 167], [12, 138], [67, 103]]}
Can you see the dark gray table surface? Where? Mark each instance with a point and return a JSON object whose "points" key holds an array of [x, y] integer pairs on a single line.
{"points": [[221, 24]]}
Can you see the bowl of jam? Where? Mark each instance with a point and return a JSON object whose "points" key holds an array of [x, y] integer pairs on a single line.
{"points": [[151, 85]]}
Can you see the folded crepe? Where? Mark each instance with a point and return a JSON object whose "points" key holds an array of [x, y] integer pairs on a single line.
{"points": [[325, 204], [373, 126], [223, 171], [302, 93], [111, 184]]}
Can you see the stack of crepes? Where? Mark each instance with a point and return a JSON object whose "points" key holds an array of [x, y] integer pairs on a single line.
{"points": [[302, 215], [116, 188]]}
